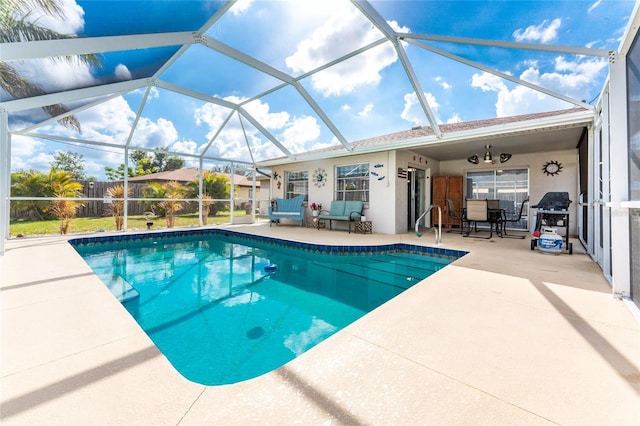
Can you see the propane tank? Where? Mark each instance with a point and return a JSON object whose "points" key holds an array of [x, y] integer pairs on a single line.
{"points": [[549, 241]]}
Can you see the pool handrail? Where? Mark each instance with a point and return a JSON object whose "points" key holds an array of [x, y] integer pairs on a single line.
{"points": [[438, 231]]}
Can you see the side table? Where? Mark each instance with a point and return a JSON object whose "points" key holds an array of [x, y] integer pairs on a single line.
{"points": [[363, 227]]}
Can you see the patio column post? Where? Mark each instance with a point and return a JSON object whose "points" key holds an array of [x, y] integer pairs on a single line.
{"points": [[253, 195], [125, 224], [5, 178], [200, 188], [619, 175], [232, 193]]}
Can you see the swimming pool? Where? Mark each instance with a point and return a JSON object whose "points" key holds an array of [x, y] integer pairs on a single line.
{"points": [[225, 307]]}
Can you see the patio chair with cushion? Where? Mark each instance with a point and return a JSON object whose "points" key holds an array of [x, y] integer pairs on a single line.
{"points": [[477, 211]]}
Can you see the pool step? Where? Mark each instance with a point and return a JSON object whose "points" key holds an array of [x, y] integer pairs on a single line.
{"points": [[124, 292]]}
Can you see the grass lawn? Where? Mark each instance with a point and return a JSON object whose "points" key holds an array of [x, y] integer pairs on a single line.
{"points": [[95, 224]]}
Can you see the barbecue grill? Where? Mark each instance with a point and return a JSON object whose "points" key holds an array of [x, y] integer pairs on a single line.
{"points": [[553, 210]]}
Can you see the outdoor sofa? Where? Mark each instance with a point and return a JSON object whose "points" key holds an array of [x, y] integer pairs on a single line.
{"points": [[346, 211]]}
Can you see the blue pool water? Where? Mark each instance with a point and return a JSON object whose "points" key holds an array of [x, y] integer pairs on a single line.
{"points": [[225, 307]]}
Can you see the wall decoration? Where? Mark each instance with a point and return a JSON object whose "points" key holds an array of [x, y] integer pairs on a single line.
{"points": [[552, 168], [319, 177], [376, 174]]}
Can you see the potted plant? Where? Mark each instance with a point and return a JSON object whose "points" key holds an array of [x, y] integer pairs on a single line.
{"points": [[315, 208]]}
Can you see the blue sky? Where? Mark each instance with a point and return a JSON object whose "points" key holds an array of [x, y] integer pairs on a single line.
{"points": [[366, 96]]}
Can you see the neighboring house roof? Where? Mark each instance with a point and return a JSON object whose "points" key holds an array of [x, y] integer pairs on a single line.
{"points": [[187, 175]]}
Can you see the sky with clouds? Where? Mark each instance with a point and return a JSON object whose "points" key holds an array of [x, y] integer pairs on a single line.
{"points": [[366, 95]]}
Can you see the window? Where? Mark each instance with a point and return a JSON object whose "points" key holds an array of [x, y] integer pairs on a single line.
{"points": [[296, 183], [510, 187], [352, 182]]}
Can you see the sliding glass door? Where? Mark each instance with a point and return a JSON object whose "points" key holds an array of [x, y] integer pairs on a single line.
{"points": [[510, 187]]}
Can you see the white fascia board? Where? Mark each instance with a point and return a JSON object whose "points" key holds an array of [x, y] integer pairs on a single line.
{"points": [[72, 95], [82, 46], [540, 124]]}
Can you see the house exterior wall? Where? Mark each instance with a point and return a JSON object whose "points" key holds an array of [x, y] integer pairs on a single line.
{"points": [[382, 189], [539, 182], [387, 208]]}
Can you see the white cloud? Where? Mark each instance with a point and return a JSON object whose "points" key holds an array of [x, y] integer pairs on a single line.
{"points": [[594, 5], [55, 75], [345, 107], [241, 6], [570, 78], [443, 83], [346, 30], [122, 72], [71, 22], [366, 110], [545, 32], [108, 122], [187, 147], [150, 134], [299, 131], [270, 120], [295, 133], [455, 118], [487, 82], [413, 112]]}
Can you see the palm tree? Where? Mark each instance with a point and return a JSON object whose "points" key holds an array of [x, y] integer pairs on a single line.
{"points": [[30, 183], [64, 187], [171, 192], [14, 27], [214, 186], [117, 206]]}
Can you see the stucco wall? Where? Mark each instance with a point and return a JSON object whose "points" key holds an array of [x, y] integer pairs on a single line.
{"points": [[387, 208], [381, 188]]}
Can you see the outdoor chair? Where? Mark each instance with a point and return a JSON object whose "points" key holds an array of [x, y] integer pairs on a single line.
{"points": [[514, 220], [477, 211], [458, 217]]}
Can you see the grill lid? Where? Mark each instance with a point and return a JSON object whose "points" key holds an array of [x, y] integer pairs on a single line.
{"points": [[554, 201]]}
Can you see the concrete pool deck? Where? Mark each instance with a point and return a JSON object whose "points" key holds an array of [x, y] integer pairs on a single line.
{"points": [[504, 335]]}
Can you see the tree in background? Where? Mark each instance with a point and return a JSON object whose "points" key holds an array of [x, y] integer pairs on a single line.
{"points": [[146, 164], [214, 186], [171, 192], [15, 26], [71, 162]]}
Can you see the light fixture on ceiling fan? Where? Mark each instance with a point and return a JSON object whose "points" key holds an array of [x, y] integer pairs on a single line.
{"points": [[488, 158]]}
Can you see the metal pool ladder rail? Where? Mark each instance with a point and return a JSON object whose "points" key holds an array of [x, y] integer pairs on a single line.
{"points": [[438, 230]]}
